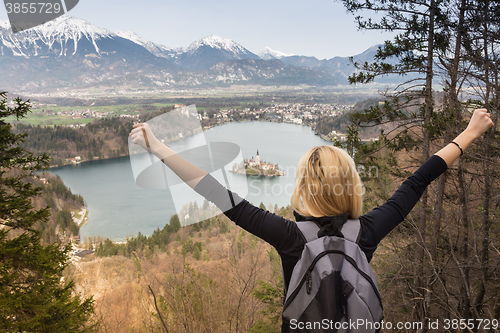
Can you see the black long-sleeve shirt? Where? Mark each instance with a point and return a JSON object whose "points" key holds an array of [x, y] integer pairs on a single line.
{"points": [[284, 235]]}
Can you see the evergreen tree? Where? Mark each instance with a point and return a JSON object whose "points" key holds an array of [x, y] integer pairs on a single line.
{"points": [[174, 224], [33, 295]]}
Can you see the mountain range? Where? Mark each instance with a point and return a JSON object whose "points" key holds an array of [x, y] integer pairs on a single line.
{"points": [[70, 52]]}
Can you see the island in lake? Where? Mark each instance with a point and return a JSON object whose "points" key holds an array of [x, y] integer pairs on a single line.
{"points": [[256, 167]]}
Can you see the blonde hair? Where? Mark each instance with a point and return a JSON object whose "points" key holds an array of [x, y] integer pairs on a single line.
{"points": [[327, 184]]}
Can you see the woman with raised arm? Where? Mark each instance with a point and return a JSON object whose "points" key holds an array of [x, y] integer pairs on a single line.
{"points": [[328, 189]]}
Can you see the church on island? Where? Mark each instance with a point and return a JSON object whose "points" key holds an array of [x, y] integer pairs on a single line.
{"points": [[256, 167]]}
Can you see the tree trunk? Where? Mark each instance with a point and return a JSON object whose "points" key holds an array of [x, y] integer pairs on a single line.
{"points": [[422, 225], [486, 170]]}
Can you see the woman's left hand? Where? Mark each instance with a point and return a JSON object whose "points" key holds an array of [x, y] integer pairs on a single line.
{"points": [[479, 123]]}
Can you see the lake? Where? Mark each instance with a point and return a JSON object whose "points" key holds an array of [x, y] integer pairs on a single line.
{"points": [[118, 208]]}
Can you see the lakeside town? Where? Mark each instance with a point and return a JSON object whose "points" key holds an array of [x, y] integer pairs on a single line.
{"points": [[294, 113]]}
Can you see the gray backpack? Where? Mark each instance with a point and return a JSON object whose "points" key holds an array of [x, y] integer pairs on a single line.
{"points": [[333, 288]]}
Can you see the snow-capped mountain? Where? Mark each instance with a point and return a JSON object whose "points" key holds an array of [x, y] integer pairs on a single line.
{"points": [[267, 54], [209, 51], [76, 45], [158, 50], [219, 43], [60, 37], [70, 52], [199, 55]]}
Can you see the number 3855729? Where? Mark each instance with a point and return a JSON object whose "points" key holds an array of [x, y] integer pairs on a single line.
{"points": [[33, 8]]}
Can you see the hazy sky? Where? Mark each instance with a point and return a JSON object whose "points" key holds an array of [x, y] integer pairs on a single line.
{"points": [[320, 28]]}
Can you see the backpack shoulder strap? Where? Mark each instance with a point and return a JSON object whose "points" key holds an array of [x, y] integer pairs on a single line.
{"points": [[352, 230], [309, 230]]}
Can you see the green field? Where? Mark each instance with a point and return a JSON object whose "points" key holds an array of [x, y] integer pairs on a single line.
{"points": [[34, 119], [44, 115]]}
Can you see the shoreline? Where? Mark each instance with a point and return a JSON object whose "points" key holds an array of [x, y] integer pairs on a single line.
{"points": [[205, 128], [52, 167]]}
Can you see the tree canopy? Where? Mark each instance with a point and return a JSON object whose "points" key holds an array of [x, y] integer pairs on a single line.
{"points": [[34, 297]]}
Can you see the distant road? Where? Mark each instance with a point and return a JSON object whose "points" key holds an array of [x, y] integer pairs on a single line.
{"points": [[80, 221]]}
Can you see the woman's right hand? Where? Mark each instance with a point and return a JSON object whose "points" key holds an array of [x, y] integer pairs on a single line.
{"points": [[142, 135], [479, 123]]}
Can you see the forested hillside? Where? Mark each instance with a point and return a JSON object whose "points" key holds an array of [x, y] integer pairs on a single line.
{"points": [[102, 138], [61, 227], [340, 123]]}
